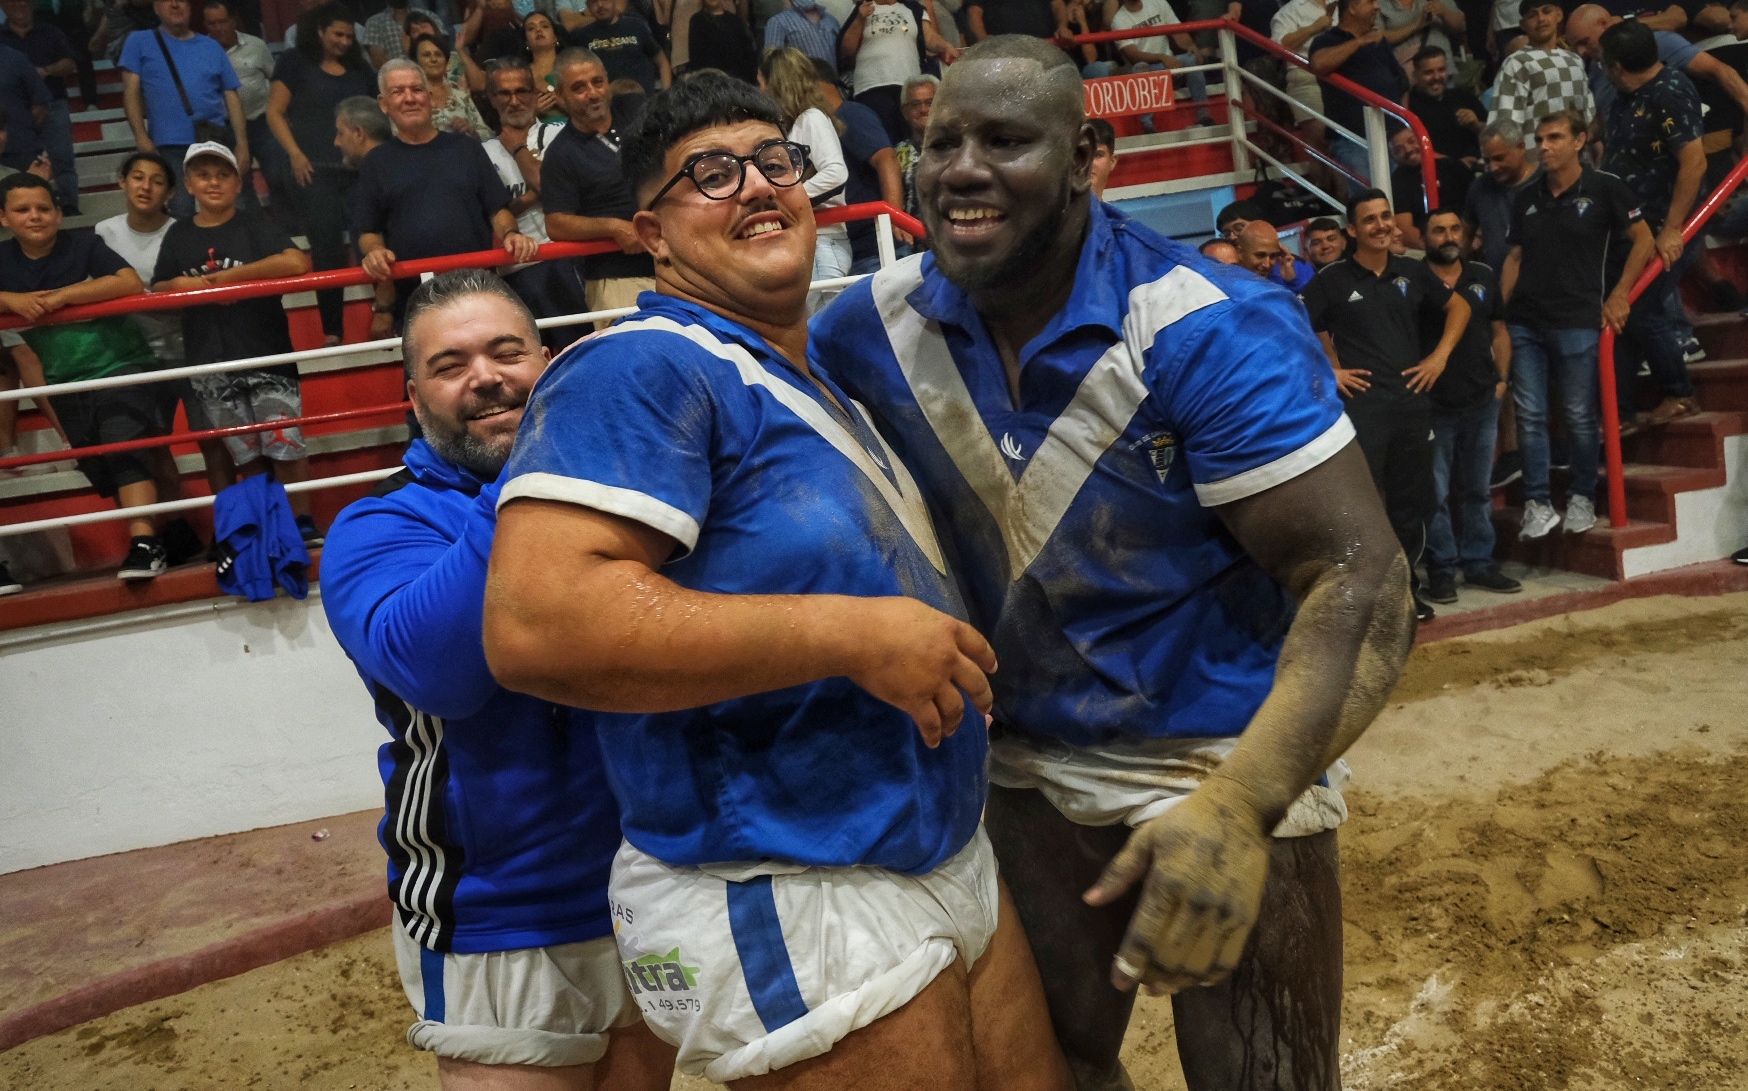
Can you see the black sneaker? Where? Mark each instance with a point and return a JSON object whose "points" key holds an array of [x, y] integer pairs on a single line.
{"points": [[311, 536], [145, 559], [1509, 468], [1740, 557], [10, 586], [1441, 586], [1492, 579], [1423, 610]]}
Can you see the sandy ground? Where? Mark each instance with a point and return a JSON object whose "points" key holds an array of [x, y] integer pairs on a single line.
{"points": [[1546, 888]]}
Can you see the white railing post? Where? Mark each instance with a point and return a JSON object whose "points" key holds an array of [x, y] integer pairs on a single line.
{"points": [[1235, 116], [1378, 151], [883, 241]]}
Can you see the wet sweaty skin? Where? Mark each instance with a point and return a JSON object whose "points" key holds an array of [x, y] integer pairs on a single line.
{"points": [[1007, 142]]}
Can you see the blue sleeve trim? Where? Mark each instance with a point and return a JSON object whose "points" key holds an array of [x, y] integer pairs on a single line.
{"points": [[764, 960]]}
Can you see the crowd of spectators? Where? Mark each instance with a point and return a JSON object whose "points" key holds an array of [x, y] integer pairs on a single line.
{"points": [[415, 133]]}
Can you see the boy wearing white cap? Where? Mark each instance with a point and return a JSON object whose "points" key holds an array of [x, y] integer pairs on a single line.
{"points": [[224, 244]]}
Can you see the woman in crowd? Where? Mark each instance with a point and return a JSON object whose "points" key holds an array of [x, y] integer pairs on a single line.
{"points": [[447, 70], [325, 68], [885, 42], [543, 41], [787, 76]]}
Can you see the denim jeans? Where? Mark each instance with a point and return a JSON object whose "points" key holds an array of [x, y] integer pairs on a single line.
{"points": [[1672, 296], [1462, 462], [57, 138], [1651, 336], [1568, 358]]}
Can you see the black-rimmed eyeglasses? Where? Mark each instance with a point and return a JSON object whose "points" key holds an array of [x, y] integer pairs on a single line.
{"points": [[719, 175]]}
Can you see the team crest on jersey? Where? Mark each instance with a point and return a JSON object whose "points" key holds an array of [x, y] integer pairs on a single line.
{"points": [[1401, 286], [1479, 291], [1582, 206], [1161, 451], [1011, 447], [661, 974]]}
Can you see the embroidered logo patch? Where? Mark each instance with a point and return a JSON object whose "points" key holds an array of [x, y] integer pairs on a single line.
{"points": [[1161, 451], [1401, 286]]}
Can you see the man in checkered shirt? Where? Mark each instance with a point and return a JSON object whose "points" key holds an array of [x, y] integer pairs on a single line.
{"points": [[1542, 77]]}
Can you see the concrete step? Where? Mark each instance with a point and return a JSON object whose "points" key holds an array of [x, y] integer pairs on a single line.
{"points": [[1596, 552], [1696, 442], [1722, 383]]}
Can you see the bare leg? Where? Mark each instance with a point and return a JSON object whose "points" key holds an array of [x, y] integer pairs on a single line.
{"points": [[298, 469], [453, 1075], [8, 410], [133, 496], [636, 1060], [221, 472], [165, 474], [1273, 1024], [1048, 862], [926, 1043], [30, 373], [1010, 1026]]}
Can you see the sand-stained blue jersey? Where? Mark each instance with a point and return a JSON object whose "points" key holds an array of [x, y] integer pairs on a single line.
{"points": [[688, 423], [1081, 519]]}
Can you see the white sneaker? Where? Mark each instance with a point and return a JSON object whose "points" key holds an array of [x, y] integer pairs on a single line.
{"points": [[1538, 519], [1580, 515]]}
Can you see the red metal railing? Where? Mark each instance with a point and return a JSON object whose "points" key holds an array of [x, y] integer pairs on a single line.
{"points": [[1428, 168], [351, 275], [1611, 416], [333, 278]]}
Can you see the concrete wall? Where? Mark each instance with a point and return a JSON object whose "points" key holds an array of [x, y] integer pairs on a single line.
{"points": [[182, 722]]}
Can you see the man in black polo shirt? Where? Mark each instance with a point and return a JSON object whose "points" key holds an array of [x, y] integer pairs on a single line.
{"points": [[1408, 184], [427, 192], [1370, 309], [1487, 208], [1453, 117], [1564, 227], [584, 188], [1654, 146], [1355, 48], [1465, 421]]}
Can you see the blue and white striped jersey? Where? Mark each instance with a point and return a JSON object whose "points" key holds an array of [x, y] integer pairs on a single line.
{"points": [[691, 424], [1080, 519]]}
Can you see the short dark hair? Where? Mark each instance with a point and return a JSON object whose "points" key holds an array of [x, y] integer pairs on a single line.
{"points": [[1444, 210], [23, 180], [437, 40], [1106, 137], [444, 289], [1329, 223], [127, 165], [1428, 53], [230, 6], [1630, 44], [823, 71], [1341, 7], [1572, 119], [711, 99], [1244, 209], [1360, 198]]}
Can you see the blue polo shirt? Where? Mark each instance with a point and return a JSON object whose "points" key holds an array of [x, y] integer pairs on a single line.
{"points": [[1082, 518], [206, 75], [692, 425]]}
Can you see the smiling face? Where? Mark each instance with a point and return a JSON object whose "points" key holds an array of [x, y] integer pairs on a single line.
{"points": [[1004, 172], [474, 362], [432, 60], [406, 100], [33, 217], [146, 187], [1324, 246], [1373, 227], [337, 38], [749, 255], [1404, 149], [586, 96], [214, 185], [1431, 76]]}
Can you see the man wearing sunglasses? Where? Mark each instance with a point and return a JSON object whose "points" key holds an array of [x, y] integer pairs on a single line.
{"points": [[705, 541]]}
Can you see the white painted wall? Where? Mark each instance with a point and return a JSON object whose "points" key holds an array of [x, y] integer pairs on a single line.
{"points": [[1710, 524], [175, 723]]}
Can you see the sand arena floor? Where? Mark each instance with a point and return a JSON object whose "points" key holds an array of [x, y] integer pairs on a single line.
{"points": [[1545, 877]]}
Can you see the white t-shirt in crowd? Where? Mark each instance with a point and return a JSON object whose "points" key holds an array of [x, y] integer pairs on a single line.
{"points": [[531, 221], [1152, 13], [163, 329], [1297, 15], [826, 155], [888, 54]]}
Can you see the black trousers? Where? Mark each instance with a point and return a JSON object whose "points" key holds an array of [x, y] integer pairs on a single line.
{"points": [[320, 209], [1395, 433]]}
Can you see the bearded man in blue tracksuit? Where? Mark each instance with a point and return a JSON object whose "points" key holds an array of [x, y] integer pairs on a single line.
{"points": [[500, 827]]}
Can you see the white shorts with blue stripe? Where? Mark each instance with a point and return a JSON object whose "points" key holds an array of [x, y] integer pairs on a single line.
{"points": [[750, 969], [1135, 780]]}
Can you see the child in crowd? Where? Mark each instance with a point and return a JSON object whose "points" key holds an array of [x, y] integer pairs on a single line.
{"points": [[223, 244], [41, 271]]}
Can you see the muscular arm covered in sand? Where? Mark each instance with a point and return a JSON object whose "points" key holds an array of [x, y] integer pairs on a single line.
{"points": [[1324, 537]]}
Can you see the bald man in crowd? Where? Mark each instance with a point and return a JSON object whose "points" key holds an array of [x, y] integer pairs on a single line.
{"points": [[1260, 251]]}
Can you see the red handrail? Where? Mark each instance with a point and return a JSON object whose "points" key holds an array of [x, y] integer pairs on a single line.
{"points": [[171, 439], [1611, 414], [351, 275], [1428, 168]]}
